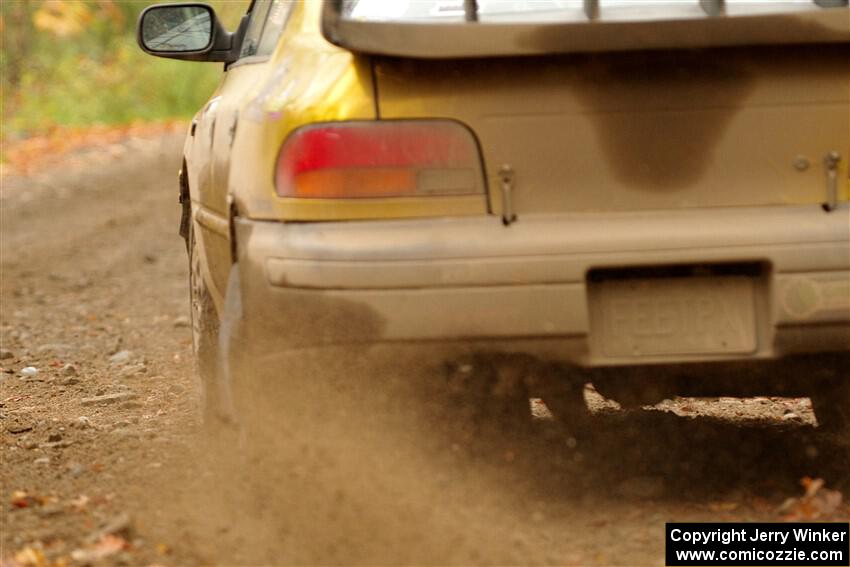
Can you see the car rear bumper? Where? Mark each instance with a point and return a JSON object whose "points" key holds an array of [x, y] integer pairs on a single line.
{"points": [[527, 288]]}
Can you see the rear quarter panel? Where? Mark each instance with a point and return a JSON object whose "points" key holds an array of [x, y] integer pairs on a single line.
{"points": [[306, 80], [232, 153]]}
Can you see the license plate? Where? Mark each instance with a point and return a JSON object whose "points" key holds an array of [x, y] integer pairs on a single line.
{"points": [[673, 316]]}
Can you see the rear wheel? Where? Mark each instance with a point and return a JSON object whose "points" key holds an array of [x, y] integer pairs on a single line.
{"points": [[205, 326]]}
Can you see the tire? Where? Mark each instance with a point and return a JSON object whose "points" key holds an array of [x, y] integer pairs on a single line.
{"points": [[205, 328]]}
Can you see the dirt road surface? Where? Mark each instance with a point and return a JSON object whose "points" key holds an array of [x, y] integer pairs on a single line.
{"points": [[104, 460]]}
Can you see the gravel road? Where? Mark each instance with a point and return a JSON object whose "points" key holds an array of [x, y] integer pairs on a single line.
{"points": [[104, 460]]}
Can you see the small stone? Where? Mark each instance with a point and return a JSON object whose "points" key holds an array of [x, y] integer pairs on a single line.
{"points": [[120, 357], [29, 372], [119, 525], [50, 510], [133, 370], [4, 354], [69, 381], [42, 461], [108, 399], [69, 370], [53, 437], [76, 469], [116, 345], [82, 422], [19, 426], [125, 433], [56, 444], [55, 348], [790, 416], [182, 321]]}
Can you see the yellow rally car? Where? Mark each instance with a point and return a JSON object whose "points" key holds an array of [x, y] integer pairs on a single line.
{"points": [[652, 193]]}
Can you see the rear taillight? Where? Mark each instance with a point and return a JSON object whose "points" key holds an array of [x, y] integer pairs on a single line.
{"points": [[398, 158]]}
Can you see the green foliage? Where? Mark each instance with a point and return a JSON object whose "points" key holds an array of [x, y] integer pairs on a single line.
{"points": [[75, 63]]}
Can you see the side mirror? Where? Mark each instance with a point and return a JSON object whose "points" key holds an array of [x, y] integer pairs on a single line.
{"points": [[189, 31]]}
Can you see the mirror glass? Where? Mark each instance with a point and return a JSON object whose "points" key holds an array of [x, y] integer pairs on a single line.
{"points": [[177, 28]]}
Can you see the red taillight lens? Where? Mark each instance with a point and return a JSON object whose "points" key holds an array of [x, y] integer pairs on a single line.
{"points": [[344, 160]]}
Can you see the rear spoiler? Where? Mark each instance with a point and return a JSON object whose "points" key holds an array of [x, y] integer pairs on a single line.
{"points": [[667, 24]]}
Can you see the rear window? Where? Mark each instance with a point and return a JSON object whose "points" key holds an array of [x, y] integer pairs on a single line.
{"points": [[555, 10]]}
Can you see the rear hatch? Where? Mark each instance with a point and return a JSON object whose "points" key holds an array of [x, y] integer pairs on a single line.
{"points": [[641, 130], [738, 102]]}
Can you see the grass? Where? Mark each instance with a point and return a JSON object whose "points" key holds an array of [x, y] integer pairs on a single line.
{"points": [[94, 73]]}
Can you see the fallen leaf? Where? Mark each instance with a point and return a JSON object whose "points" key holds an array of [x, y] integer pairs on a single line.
{"points": [[30, 557], [21, 499], [812, 485], [817, 502]]}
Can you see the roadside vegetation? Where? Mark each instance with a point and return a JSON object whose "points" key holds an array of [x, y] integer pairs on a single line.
{"points": [[76, 64]]}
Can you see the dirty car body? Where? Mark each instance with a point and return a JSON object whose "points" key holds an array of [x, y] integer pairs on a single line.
{"points": [[608, 185]]}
